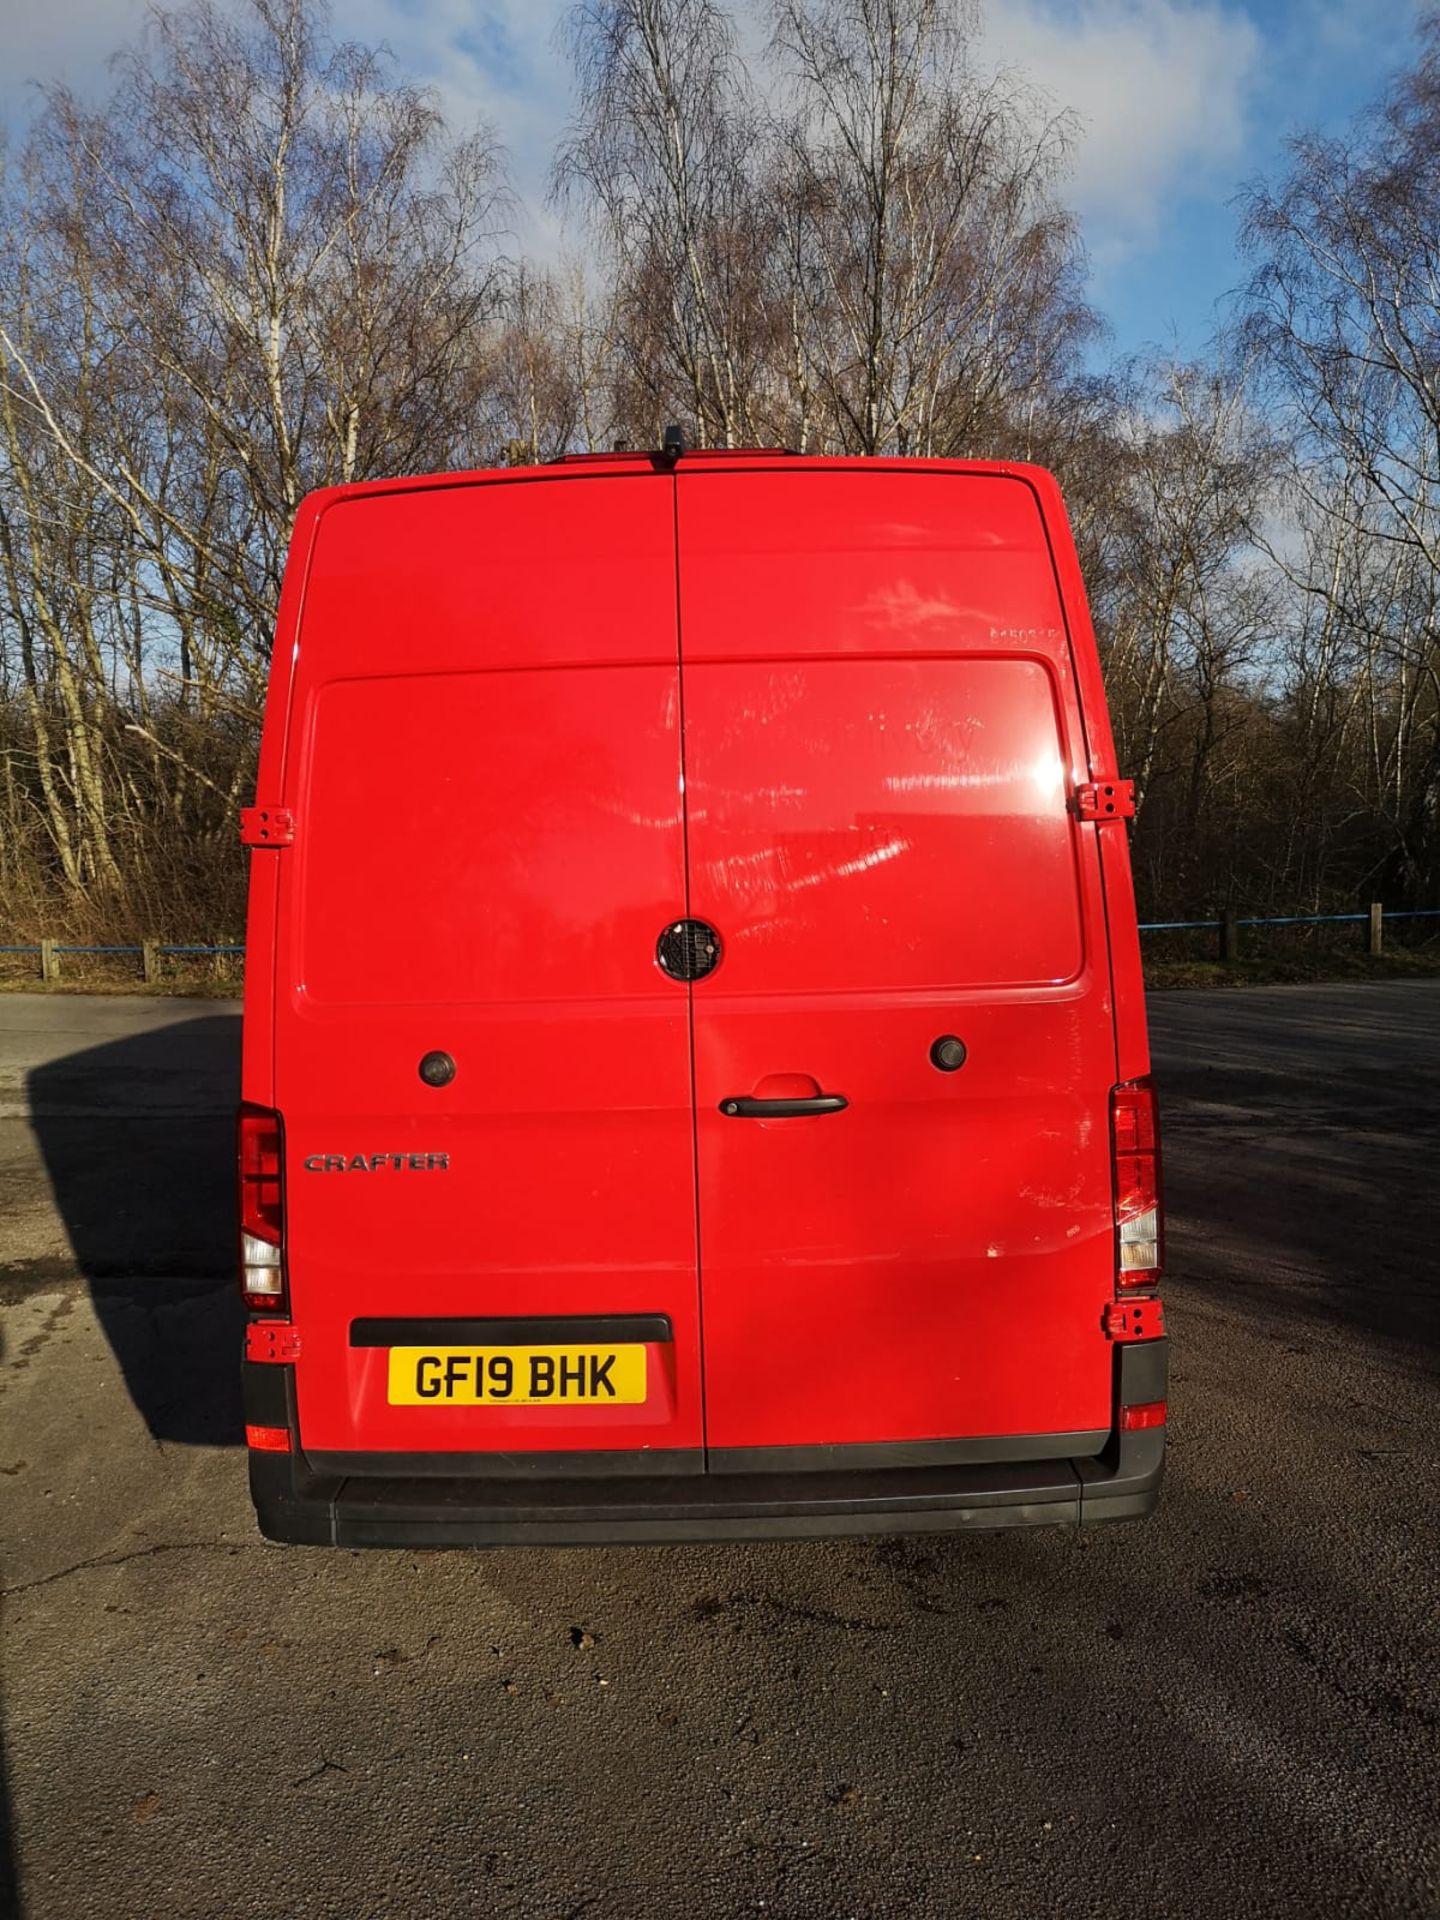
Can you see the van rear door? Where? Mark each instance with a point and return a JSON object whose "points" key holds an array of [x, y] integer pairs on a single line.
{"points": [[484, 771], [882, 733]]}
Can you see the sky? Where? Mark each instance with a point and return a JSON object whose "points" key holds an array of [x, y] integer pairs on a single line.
{"points": [[1178, 103]]}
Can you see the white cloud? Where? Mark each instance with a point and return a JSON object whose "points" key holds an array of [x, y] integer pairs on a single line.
{"points": [[61, 41], [1160, 89], [496, 61]]}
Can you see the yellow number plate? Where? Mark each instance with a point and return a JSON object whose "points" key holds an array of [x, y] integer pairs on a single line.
{"points": [[516, 1376]]}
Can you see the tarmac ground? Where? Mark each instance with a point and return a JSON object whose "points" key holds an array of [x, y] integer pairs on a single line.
{"points": [[1230, 1710]]}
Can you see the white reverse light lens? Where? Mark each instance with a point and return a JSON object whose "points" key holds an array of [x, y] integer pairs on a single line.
{"points": [[261, 1263], [1139, 1241]]}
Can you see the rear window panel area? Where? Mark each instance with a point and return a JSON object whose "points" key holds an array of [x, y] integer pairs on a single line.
{"points": [[882, 824], [495, 836]]}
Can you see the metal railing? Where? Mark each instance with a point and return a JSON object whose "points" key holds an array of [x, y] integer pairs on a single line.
{"points": [[151, 953], [1226, 927]]}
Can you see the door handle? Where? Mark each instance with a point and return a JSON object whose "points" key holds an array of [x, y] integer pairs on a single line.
{"points": [[749, 1107]]}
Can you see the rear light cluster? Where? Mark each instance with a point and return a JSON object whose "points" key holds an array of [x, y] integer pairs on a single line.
{"points": [[1139, 1233], [262, 1211]]}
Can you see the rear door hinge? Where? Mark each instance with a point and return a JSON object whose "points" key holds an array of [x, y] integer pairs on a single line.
{"points": [[1105, 800], [266, 826], [1133, 1319], [274, 1341]]}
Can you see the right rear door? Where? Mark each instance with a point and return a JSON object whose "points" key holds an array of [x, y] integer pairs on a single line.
{"points": [[881, 735]]}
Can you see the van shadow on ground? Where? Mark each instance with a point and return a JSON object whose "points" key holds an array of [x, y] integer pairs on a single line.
{"points": [[137, 1138]]}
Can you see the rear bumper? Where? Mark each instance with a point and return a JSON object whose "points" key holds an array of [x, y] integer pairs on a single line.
{"points": [[295, 1504]]}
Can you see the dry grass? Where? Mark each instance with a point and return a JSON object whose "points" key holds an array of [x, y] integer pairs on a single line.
{"points": [[1293, 969], [121, 973]]}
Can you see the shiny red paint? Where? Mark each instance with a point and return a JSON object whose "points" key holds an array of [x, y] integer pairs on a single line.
{"points": [[485, 766], [882, 732], [840, 709]]}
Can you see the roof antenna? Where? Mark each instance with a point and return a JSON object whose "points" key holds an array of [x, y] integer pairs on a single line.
{"points": [[672, 445]]}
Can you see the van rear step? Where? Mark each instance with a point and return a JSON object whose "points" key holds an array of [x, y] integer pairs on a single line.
{"points": [[293, 1506]]}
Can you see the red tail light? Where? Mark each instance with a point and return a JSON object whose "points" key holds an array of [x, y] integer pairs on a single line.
{"points": [[1139, 1230], [262, 1211], [1150, 1413]]}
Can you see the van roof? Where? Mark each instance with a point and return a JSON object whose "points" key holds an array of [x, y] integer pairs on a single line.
{"points": [[571, 464]]}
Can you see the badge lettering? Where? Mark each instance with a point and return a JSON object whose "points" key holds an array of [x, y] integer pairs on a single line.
{"points": [[376, 1162]]}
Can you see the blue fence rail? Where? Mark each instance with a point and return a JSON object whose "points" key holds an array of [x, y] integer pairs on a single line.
{"points": [[1226, 928], [151, 953]]}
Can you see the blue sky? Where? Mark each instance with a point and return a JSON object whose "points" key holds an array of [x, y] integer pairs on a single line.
{"points": [[1178, 102]]}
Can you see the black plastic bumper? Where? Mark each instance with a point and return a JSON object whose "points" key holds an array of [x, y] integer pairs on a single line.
{"points": [[297, 1505]]}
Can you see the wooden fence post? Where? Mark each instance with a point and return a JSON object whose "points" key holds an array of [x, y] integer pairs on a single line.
{"points": [[49, 961], [150, 960], [1377, 928], [1229, 936]]}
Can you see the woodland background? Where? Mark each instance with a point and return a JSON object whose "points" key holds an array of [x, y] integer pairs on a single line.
{"points": [[265, 263]]}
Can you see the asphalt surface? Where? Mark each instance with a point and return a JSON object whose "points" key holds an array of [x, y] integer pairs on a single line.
{"points": [[1231, 1710]]}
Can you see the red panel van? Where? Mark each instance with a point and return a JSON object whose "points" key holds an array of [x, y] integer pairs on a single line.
{"points": [[695, 1065]]}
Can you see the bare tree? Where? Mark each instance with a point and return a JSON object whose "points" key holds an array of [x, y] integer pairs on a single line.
{"points": [[1187, 609], [661, 146], [1344, 310], [937, 281], [262, 266], [265, 264]]}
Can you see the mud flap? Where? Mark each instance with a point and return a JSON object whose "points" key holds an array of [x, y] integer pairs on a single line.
{"points": [[1123, 1482], [291, 1506]]}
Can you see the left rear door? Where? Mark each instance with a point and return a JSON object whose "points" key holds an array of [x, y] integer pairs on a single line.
{"points": [[484, 768]]}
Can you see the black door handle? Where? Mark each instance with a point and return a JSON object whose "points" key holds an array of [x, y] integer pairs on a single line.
{"points": [[747, 1107]]}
